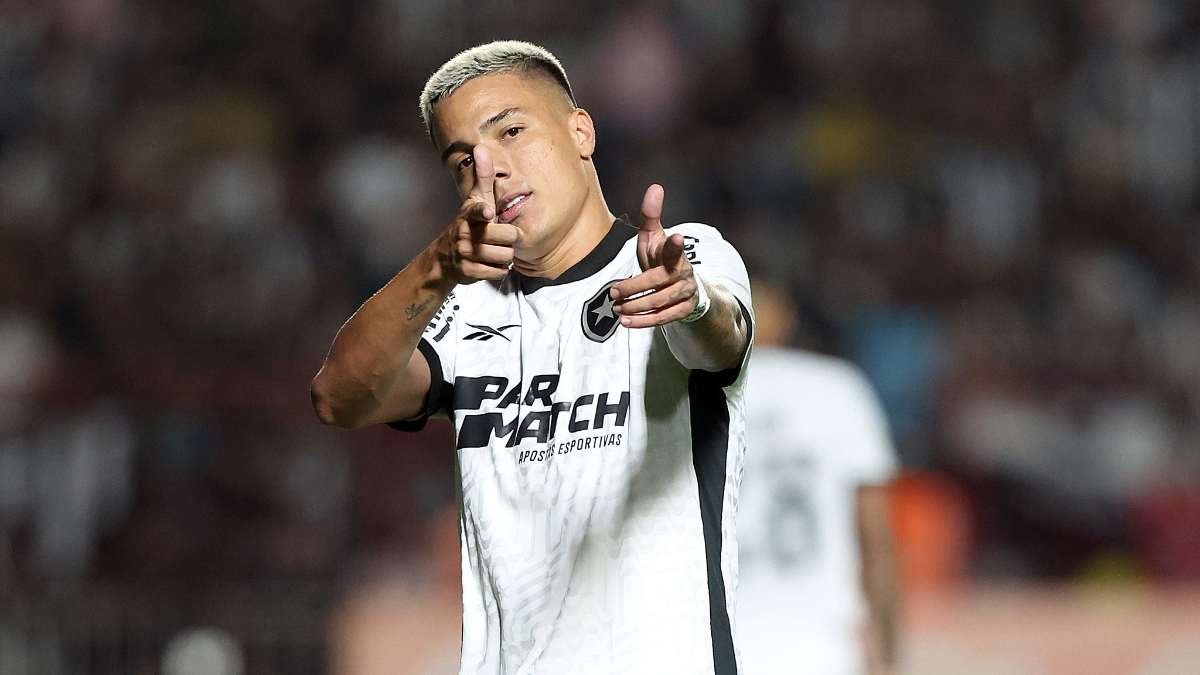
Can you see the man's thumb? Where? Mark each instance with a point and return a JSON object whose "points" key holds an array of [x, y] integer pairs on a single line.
{"points": [[652, 205]]}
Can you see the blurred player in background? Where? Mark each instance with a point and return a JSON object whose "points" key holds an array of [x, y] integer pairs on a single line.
{"points": [[593, 372], [813, 525]]}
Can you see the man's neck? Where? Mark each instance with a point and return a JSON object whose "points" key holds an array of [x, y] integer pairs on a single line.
{"points": [[587, 233]]}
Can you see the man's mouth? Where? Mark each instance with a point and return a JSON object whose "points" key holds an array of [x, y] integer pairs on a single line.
{"points": [[513, 206]]}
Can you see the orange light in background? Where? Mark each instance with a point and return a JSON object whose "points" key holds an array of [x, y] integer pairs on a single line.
{"points": [[933, 531]]}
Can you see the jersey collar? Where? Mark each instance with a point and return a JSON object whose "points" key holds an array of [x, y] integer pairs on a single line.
{"points": [[593, 262]]}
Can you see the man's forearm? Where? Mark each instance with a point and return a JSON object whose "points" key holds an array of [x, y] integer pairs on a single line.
{"points": [[718, 340], [880, 570], [884, 601], [365, 379]]}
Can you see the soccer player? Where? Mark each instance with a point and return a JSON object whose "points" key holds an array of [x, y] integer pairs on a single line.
{"points": [[593, 373], [813, 525]]}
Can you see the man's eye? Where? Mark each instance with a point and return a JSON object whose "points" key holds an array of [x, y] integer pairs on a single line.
{"points": [[466, 161], [511, 133]]}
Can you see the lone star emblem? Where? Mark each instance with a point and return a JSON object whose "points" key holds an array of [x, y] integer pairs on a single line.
{"points": [[599, 320], [605, 310]]}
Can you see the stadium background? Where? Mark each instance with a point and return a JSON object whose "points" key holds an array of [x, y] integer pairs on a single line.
{"points": [[989, 206]]}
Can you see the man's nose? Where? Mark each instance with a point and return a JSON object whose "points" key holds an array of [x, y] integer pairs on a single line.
{"points": [[500, 163]]}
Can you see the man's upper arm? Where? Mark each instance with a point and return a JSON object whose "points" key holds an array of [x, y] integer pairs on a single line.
{"points": [[716, 261], [420, 397]]}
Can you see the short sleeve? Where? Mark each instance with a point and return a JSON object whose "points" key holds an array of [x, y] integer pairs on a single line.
{"points": [[437, 345], [868, 455], [718, 262]]}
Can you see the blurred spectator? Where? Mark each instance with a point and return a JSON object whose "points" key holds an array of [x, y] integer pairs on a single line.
{"points": [[82, 472], [640, 87], [203, 651], [27, 354], [379, 191], [993, 207], [901, 351]]}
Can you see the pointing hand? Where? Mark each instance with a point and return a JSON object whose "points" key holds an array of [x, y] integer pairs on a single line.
{"points": [[666, 288], [477, 246]]}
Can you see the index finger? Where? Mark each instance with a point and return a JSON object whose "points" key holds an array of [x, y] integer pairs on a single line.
{"points": [[485, 176], [652, 205], [499, 234], [650, 280]]}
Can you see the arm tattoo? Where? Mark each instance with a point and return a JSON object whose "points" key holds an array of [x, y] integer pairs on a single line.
{"points": [[414, 310]]}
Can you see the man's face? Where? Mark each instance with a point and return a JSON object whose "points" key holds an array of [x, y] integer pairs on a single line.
{"points": [[539, 153]]}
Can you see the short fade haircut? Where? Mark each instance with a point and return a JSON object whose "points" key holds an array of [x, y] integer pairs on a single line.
{"points": [[502, 56]]}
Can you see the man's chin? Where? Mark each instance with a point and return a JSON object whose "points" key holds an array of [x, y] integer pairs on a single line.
{"points": [[534, 246], [531, 232]]}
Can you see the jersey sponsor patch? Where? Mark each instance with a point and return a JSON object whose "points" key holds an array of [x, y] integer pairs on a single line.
{"points": [[540, 422], [599, 319]]}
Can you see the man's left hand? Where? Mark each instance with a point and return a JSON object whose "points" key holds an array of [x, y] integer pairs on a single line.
{"points": [[667, 282]]}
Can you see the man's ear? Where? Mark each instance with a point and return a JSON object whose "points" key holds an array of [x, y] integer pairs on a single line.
{"points": [[583, 130]]}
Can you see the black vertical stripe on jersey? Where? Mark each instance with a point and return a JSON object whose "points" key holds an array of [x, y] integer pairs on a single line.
{"points": [[439, 395], [710, 446]]}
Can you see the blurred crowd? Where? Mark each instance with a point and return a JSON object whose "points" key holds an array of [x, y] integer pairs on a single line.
{"points": [[991, 207]]}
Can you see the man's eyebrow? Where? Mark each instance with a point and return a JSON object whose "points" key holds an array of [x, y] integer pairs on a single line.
{"points": [[494, 119], [463, 146]]}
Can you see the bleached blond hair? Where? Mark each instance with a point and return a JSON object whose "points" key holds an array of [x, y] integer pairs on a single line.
{"points": [[502, 56]]}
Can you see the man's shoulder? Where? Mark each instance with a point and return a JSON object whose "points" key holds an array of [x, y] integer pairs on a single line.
{"points": [[811, 362], [705, 244], [826, 401], [694, 229]]}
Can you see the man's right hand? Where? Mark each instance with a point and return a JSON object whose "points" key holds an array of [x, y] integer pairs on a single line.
{"points": [[477, 246], [374, 372]]}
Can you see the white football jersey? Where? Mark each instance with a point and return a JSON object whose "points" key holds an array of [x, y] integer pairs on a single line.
{"points": [[815, 433], [599, 477]]}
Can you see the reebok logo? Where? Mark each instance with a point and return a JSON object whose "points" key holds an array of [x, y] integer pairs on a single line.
{"points": [[485, 333]]}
